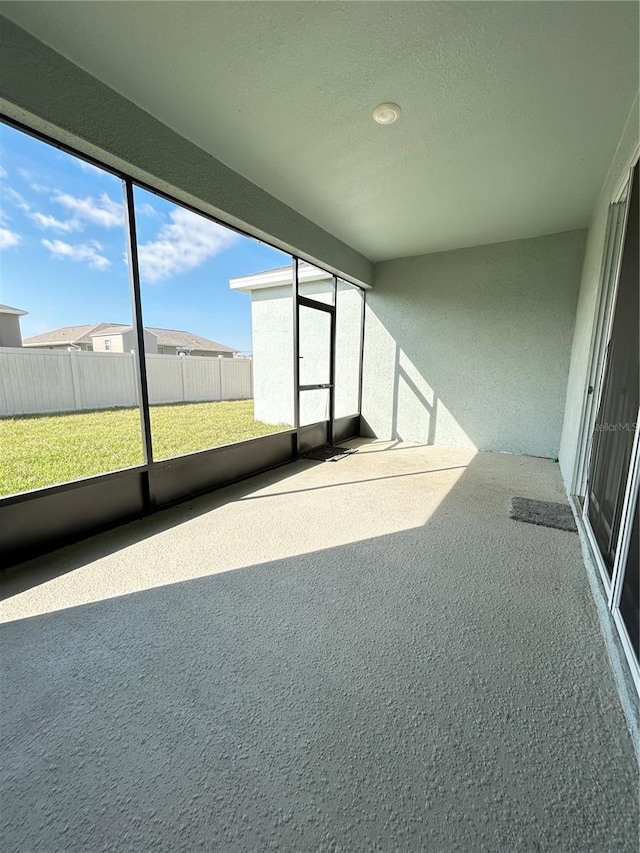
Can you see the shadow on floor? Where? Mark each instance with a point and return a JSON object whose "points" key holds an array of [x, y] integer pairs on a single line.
{"points": [[43, 569], [440, 688]]}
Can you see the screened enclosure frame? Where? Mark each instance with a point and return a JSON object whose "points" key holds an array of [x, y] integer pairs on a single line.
{"points": [[37, 521], [309, 436]]}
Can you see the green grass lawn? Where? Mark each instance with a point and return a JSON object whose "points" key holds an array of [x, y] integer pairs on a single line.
{"points": [[43, 451]]}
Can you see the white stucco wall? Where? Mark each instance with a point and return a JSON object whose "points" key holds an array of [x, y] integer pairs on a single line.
{"points": [[272, 330], [348, 338], [590, 286], [471, 347]]}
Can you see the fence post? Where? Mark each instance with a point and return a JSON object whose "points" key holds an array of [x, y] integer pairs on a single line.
{"points": [[77, 396], [183, 374]]}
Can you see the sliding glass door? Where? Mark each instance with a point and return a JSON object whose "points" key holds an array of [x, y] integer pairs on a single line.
{"points": [[614, 428], [611, 504]]}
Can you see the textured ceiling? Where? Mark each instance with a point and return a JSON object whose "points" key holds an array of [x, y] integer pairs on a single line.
{"points": [[511, 111]]}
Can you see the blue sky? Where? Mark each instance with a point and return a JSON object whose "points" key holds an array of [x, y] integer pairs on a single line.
{"points": [[63, 251]]}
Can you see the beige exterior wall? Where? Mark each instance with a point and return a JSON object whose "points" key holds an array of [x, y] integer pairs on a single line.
{"points": [[10, 334], [108, 343], [124, 342]]}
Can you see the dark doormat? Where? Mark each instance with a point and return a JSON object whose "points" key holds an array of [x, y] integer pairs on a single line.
{"points": [[329, 454], [544, 513]]}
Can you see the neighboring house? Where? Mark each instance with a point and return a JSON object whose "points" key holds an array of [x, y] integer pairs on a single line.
{"points": [[68, 337], [10, 332], [122, 339], [174, 342], [117, 337]]}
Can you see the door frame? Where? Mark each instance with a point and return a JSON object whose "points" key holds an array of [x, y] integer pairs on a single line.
{"points": [[609, 277], [310, 436], [621, 566], [601, 333]]}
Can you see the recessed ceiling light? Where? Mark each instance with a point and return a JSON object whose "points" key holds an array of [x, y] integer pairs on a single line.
{"points": [[386, 113]]}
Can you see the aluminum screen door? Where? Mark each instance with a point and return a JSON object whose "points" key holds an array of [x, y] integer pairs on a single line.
{"points": [[315, 318]]}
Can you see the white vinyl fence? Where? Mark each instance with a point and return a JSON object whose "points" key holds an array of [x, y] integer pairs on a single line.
{"points": [[44, 381]]}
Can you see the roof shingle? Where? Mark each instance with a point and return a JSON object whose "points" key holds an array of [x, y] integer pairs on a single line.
{"points": [[166, 337]]}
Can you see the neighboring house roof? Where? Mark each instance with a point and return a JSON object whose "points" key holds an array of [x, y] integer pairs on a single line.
{"points": [[7, 309], [112, 330], [186, 340], [69, 335], [84, 334]]}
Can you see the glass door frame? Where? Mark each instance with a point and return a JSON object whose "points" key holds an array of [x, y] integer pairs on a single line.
{"points": [[621, 564], [610, 277], [310, 431], [612, 257], [609, 281]]}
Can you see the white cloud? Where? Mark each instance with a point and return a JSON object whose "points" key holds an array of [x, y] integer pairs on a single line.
{"points": [[183, 244], [31, 179], [15, 197], [46, 221], [100, 211], [88, 167], [3, 172], [146, 209], [87, 252], [8, 238]]}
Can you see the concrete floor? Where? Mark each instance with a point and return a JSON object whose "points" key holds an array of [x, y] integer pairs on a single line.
{"points": [[366, 655]]}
